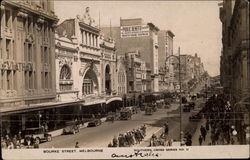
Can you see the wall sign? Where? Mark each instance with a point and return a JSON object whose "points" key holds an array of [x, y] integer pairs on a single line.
{"points": [[134, 31]]}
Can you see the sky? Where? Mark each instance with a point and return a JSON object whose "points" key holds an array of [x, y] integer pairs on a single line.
{"points": [[196, 24]]}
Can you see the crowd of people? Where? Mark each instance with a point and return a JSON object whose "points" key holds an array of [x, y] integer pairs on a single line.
{"points": [[129, 138], [218, 121], [16, 142]]}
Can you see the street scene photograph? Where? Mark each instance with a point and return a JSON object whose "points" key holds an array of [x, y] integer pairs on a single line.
{"points": [[106, 74]]}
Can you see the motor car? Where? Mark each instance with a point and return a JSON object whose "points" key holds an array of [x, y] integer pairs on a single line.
{"points": [[94, 123], [195, 117], [191, 105], [149, 111], [125, 115], [133, 109], [186, 108], [112, 116], [38, 134], [71, 127]]}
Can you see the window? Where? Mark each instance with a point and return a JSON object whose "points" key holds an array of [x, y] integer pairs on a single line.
{"points": [[26, 79], [86, 38], [42, 79], [35, 81], [8, 49], [2, 79], [30, 52], [87, 86], [46, 79], [30, 27], [30, 80], [9, 79], [65, 73], [42, 60], [14, 80], [82, 36], [7, 18], [45, 55]]}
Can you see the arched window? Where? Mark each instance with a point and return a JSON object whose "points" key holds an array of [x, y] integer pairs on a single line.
{"points": [[65, 73]]}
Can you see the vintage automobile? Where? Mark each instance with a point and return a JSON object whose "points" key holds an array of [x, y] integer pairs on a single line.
{"points": [[113, 116], [133, 109], [195, 117], [94, 122], [38, 134], [143, 106], [186, 108], [149, 111], [154, 107], [125, 115], [191, 105], [71, 127]]}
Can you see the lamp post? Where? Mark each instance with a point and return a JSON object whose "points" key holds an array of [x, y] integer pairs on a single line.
{"points": [[179, 60]]}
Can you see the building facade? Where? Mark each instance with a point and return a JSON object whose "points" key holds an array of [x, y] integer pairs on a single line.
{"points": [[108, 66], [27, 59], [121, 76], [235, 61]]}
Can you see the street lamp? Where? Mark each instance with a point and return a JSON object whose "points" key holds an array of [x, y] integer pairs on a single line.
{"points": [[179, 60]]}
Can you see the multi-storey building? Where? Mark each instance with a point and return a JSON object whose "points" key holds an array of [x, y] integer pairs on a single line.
{"points": [[165, 40], [235, 60], [95, 64], [134, 34], [27, 62]]}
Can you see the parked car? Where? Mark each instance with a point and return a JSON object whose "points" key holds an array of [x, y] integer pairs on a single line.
{"points": [[149, 111], [195, 117], [38, 134], [191, 105], [186, 108], [125, 115], [112, 116], [71, 127], [94, 123]]}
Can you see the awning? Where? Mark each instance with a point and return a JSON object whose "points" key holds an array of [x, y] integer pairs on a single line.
{"points": [[34, 107], [113, 99]]}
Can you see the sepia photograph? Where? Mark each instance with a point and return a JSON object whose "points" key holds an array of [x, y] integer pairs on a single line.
{"points": [[86, 79]]}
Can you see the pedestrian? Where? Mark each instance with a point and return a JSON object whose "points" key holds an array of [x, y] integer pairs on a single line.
{"points": [[207, 125], [115, 142], [32, 140], [36, 144], [200, 140], [14, 140], [166, 129], [77, 145], [110, 145]]}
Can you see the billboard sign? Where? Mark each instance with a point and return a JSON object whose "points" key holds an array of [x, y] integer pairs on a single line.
{"points": [[134, 31]]}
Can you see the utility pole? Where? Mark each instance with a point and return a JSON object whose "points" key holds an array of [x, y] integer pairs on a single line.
{"points": [[179, 52]]}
